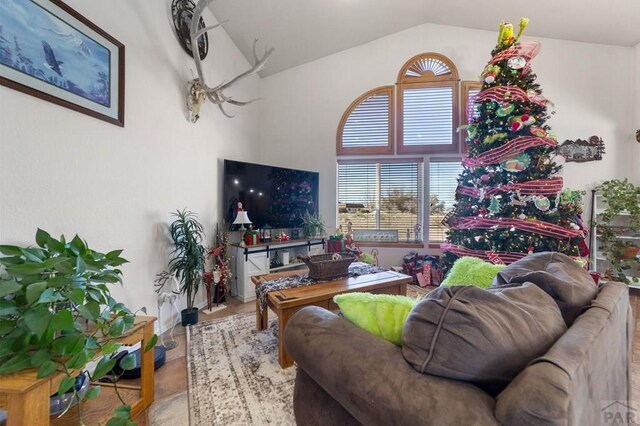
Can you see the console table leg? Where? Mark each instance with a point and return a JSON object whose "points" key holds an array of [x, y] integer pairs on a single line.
{"points": [[29, 408]]}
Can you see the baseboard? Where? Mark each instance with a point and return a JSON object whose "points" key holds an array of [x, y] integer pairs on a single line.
{"points": [[163, 328]]}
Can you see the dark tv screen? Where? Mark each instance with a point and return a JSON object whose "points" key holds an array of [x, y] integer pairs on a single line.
{"points": [[270, 195]]}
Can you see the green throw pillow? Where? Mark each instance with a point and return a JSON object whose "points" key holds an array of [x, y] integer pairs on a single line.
{"points": [[380, 314], [472, 271]]}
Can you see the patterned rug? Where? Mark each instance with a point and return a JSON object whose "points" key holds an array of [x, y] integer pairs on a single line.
{"points": [[234, 375]]}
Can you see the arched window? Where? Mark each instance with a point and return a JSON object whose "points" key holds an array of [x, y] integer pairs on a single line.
{"points": [[427, 105], [367, 126], [409, 133]]}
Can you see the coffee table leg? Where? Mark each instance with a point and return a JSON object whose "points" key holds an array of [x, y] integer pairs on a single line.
{"points": [[284, 358], [262, 318]]}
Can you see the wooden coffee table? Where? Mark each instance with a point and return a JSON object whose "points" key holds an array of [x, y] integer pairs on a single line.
{"points": [[286, 302]]}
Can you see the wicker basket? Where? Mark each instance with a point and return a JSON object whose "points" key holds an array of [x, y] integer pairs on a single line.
{"points": [[323, 266]]}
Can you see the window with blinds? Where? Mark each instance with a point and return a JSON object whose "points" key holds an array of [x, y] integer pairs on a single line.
{"points": [[443, 181], [427, 116], [367, 125], [427, 105], [469, 89], [381, 195]]}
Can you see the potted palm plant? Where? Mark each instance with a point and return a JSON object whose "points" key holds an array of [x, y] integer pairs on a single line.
{"points": [[186, 261]]}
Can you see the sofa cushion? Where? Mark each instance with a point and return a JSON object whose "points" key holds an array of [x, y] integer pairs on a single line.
{"points": [[380, 314], [472, 271], [481, 336], [557, 274]]}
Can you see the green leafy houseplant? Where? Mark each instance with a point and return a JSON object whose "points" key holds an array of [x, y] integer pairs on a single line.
{"points": [[186, 260], [312, 225], [57, 313], [622, 199]]}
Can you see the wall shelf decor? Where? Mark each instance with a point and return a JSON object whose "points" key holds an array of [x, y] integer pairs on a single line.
{"points": [[60, 56], [580, 151]]}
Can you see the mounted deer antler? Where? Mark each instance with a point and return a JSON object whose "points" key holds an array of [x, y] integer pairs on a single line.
{"points": [[198, 90]]}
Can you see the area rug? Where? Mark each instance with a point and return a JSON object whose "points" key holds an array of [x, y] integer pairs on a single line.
{"points": [[234, 375]]}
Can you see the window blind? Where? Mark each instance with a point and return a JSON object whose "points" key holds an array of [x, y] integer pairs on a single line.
{"points": [[368, 123], [427, 116], [380, 195], [473, 110], [443, 181]]}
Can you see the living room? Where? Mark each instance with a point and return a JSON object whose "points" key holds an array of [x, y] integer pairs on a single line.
{"points": [[69, 173]]}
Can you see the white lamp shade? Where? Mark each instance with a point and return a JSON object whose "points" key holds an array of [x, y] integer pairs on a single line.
{"points": [[242, 218]]}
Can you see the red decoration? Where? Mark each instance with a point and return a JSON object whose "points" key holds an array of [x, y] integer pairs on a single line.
{"points": [[501, 94], [494, 258], [526, 50]]}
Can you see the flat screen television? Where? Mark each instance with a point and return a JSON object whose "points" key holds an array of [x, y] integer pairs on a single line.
{"points": [[273, 196]]}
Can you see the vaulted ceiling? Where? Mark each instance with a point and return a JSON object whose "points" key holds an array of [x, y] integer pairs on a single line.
{"points": [[305, 30]]}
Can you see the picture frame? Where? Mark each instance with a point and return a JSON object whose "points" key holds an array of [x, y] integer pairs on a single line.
{"points": [[50, 51]]}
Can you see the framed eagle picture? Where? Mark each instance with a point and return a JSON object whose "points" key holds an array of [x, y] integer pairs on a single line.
{"points": [[50, 51]]}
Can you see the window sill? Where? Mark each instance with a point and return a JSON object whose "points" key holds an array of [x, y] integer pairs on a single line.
{"points": [[419, 244]]}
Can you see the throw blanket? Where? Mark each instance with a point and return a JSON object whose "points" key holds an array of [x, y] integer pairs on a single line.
{"points": [[355, 269]]}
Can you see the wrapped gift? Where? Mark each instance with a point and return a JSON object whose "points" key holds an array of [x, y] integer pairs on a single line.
{"points": [[251, 238]]}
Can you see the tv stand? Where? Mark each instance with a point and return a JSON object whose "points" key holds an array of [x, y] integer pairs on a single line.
{"points": [[256, 260]]}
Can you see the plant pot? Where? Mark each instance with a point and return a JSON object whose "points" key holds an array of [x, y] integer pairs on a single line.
{"points": [[630, 252], [189, 316]]}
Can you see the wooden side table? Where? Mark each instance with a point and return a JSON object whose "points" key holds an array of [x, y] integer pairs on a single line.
{"points": [[26, 398]]}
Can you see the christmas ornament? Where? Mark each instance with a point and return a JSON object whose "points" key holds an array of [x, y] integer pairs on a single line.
{"points": [[542, 203], [494, 206], [522, 216], [530, 250], [489, 139], [505, 110], [490, 73], [516, 126], [517, 62], [518, 163], [527, 119], [538, 131], [494, 258]]}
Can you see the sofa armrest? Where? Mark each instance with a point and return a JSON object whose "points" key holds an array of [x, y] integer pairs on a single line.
{"points": [[369, 377]]}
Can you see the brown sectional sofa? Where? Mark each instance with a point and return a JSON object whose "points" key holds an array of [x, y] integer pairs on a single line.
{"points": [[347, 376]]}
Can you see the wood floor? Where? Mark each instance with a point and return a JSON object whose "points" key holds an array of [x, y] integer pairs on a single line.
{"points": [[171, 379]]}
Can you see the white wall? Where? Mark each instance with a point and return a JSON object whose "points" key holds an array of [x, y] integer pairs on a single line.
{"points": [[70, 173], [588, 83], [634, 158]]}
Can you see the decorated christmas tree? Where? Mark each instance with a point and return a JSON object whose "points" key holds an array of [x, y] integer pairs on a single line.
{"points": [[509, 201]]}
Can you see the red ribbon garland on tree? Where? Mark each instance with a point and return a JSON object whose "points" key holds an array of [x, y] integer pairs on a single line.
{"points": [[527, 50], [508, 150], [506, 256], [503, 94], [532, 225], [533, 187]]}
